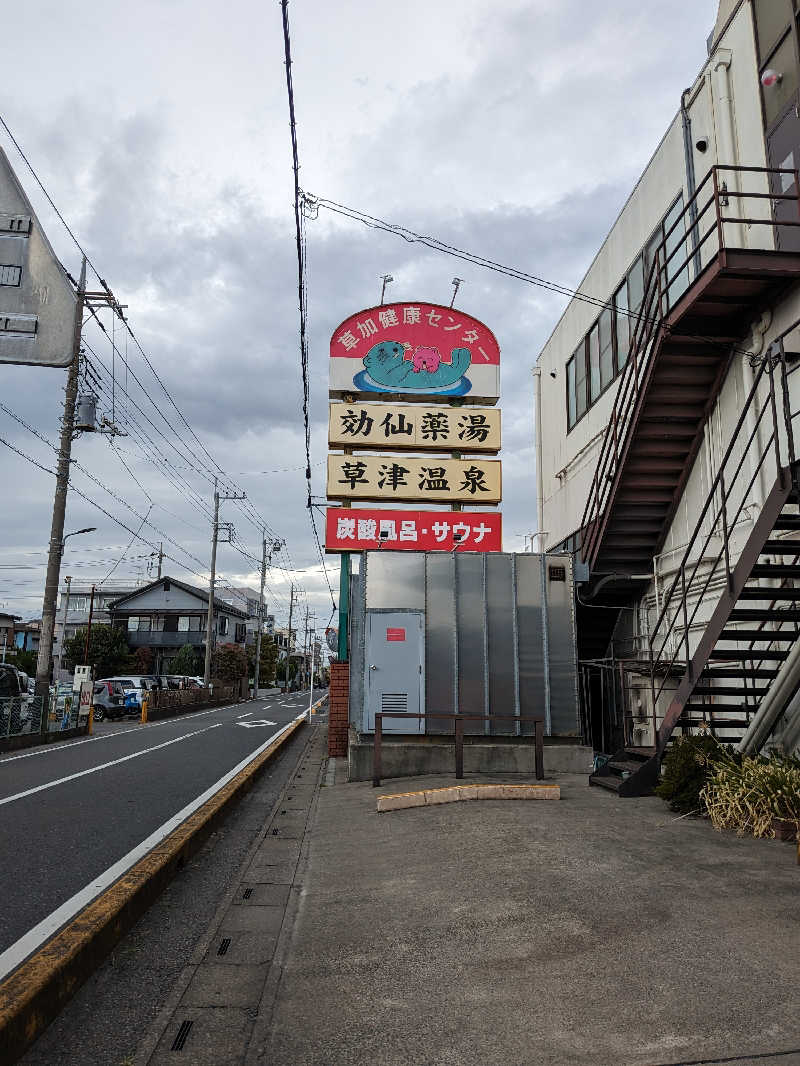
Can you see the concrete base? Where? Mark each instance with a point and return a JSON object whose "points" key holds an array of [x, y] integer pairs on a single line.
{"points": [[431, 756]]}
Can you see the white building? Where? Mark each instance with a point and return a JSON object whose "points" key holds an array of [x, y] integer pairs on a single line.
{"points": [[664, 399]]}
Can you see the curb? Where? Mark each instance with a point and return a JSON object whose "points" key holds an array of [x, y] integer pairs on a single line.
{"points": [[399, 801], [35, 992]]}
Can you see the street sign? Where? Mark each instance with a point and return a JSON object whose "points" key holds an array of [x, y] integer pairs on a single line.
{"points": [[379, 477], [370, 529], [414, 428], [418, 351], [37, 301]]}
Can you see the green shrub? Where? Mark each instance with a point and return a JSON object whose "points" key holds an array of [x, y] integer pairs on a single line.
{"points": [[687, 767], [750, 795]]}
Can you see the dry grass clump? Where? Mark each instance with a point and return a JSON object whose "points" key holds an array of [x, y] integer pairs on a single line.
{"points": [[751, 795]]}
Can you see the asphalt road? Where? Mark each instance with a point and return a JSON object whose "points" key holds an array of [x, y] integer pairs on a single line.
{"points": [[69, 812]]}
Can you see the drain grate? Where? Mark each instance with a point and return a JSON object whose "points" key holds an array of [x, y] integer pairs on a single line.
{"points": [[224, 944], [183, 1032], [248, 892], [275, 832]]}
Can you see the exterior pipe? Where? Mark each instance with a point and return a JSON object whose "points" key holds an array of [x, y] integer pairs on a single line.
{"points": [[768, 713], [691, 180], [727, 134], [541, 536]]}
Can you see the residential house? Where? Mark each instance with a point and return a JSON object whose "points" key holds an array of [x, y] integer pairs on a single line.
{"points": [[667, 403], [72, 613], [7, 626], [167, 614]]}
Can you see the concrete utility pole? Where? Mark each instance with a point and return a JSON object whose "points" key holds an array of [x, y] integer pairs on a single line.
{"points": [[88, 630], [289, 648], [56, 549], [68, 582], [305, 650], [160, 559], [213, 578], [260, 616], [210, 613]]}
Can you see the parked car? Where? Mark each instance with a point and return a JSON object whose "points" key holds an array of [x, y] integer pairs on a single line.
{"points": [[108, 700], [134, 687]]}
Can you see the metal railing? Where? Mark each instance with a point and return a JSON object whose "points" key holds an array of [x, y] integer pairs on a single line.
{"points": [[706, 235], [22, 714], [459, 719], [727, 498]]}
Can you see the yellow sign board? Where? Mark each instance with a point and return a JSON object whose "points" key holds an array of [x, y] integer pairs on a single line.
{"points": [[380, 477], [417, 428]]}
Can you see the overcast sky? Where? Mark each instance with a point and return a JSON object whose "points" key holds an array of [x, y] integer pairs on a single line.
{"points": [[513, 129]]}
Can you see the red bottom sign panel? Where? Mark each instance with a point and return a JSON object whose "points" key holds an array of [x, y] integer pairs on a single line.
{"points": [[368, 529]]}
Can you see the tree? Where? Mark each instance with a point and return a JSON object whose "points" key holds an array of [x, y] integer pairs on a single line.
{"points": [[269, 657], [281, 672], [108, 650], [143, 660], [185, 662], [25, 661], [228, 662]]}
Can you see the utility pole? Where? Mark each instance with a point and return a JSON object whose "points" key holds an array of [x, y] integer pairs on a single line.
{"points": [[88, 630], [45, 658], [210, 613], [305, 648], [260, 616], [160, 558], [68, 582], [213, 578], [289, 649]]}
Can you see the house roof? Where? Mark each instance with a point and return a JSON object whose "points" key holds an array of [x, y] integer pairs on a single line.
{"points": [[201, 594]]}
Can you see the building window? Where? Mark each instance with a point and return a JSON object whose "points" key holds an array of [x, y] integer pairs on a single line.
{"points": [[10, 275], [223, 625], [196, 623], [241, 632], [133, 624], [144, 625], [183, 623], [604, 351]]}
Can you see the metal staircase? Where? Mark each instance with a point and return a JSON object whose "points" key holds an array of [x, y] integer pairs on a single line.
{"points": [[684, 339], [718, 683]]}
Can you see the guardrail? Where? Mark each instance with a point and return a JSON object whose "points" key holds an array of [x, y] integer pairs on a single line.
{"points": [[459, 720]]}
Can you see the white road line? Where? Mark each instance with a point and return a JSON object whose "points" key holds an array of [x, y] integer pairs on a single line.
{"points": [[51, 749], [105, 765], [35, 937], [238, 716]]}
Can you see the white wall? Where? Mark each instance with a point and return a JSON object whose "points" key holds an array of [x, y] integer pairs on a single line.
{"points": [[569, 459]]}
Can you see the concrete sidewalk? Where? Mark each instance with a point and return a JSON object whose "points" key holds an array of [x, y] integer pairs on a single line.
{"points": [[589, 930]]}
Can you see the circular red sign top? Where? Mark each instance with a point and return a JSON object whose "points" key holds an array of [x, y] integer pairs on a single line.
{"points": [[428, 333]]}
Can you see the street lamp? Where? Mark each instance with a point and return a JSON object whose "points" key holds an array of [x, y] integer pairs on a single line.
{"points": [[89, 529]]}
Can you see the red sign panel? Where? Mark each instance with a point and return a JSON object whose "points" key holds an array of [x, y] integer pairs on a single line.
{"points": [[421, 350], [371, 529], [396, 634]]}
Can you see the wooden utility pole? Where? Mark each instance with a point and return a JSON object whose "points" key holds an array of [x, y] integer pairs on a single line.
{"points": [[56, 548]]}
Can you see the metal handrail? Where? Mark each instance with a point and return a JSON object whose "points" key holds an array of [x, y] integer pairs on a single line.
{"points": [[775, 358], [652, 316], [459, 719]]}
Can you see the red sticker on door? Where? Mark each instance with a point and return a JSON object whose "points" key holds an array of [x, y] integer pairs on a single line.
{"points": [[395, 634]]}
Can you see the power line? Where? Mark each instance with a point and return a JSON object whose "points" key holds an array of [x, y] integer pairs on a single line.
{"points": [[302, 279]]}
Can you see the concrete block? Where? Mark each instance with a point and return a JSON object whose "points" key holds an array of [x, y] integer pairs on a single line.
{"points": [[519, 792], [400, 801], [414, 759], [443, 795]]}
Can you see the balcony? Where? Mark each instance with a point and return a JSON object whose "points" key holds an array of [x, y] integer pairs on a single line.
{"points": [[159, 639], [736, 238]]}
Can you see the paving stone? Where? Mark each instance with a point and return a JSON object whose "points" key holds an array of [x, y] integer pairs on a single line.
{"points": [[218, 1035], [274, 851], [244, 949], [258, 920], [262, 895], [221, 984], [260, 873]]}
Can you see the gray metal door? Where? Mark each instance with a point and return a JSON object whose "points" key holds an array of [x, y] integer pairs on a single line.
{"points": [[393, 671]]}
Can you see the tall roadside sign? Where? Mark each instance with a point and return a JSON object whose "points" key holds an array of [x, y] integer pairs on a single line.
{"points": [[37, 301], [405, 378]]}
